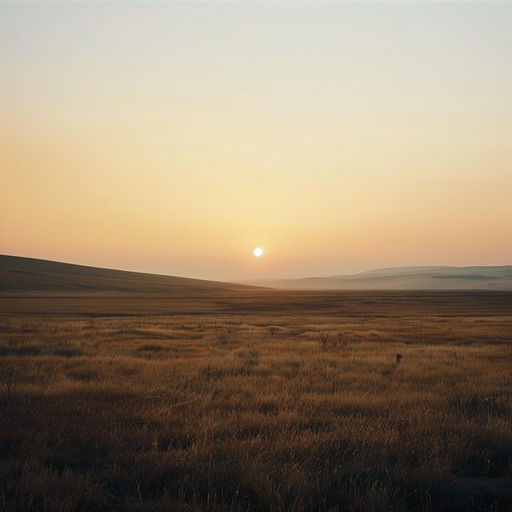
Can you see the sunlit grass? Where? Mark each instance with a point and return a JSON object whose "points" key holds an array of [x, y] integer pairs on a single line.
{"points": [[244, 412]]}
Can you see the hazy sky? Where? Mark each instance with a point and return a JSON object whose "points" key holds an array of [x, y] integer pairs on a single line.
{"points": [[176, 137]]}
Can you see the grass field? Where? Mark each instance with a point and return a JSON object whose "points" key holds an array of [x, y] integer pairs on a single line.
{"points": [[256, 400]]}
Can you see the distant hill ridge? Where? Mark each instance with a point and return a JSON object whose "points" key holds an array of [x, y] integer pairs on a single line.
{"points": [[18, 274], [410, 278]]}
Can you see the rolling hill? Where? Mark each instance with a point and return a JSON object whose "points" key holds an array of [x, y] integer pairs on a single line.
{"points": [[33, 275], [409, 278]]}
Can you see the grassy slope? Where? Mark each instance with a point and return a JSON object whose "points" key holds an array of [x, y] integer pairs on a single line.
{"points": [[26, 274]]}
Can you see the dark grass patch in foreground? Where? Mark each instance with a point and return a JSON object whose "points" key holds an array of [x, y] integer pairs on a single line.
{"points": [[245, 412]]}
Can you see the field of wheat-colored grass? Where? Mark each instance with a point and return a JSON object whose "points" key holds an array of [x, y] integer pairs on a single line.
{"points": [[257, 403]]}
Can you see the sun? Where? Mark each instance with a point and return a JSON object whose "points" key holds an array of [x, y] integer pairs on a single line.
{"points": [[258, 252]]}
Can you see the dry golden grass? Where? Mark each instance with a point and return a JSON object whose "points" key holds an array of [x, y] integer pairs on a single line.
{"points": [[257, 401]]}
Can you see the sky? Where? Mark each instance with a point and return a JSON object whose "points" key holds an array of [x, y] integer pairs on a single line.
{"points": [[175, 137]]}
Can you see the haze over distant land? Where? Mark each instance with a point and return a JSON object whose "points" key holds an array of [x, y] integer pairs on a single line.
{"points": [[176, 137], [409, 278]]}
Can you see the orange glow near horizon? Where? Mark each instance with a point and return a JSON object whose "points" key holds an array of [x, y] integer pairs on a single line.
{"points": [[175, 138]]}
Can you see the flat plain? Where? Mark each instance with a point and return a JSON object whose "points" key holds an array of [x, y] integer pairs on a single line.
{"points": [[255, 400]]}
